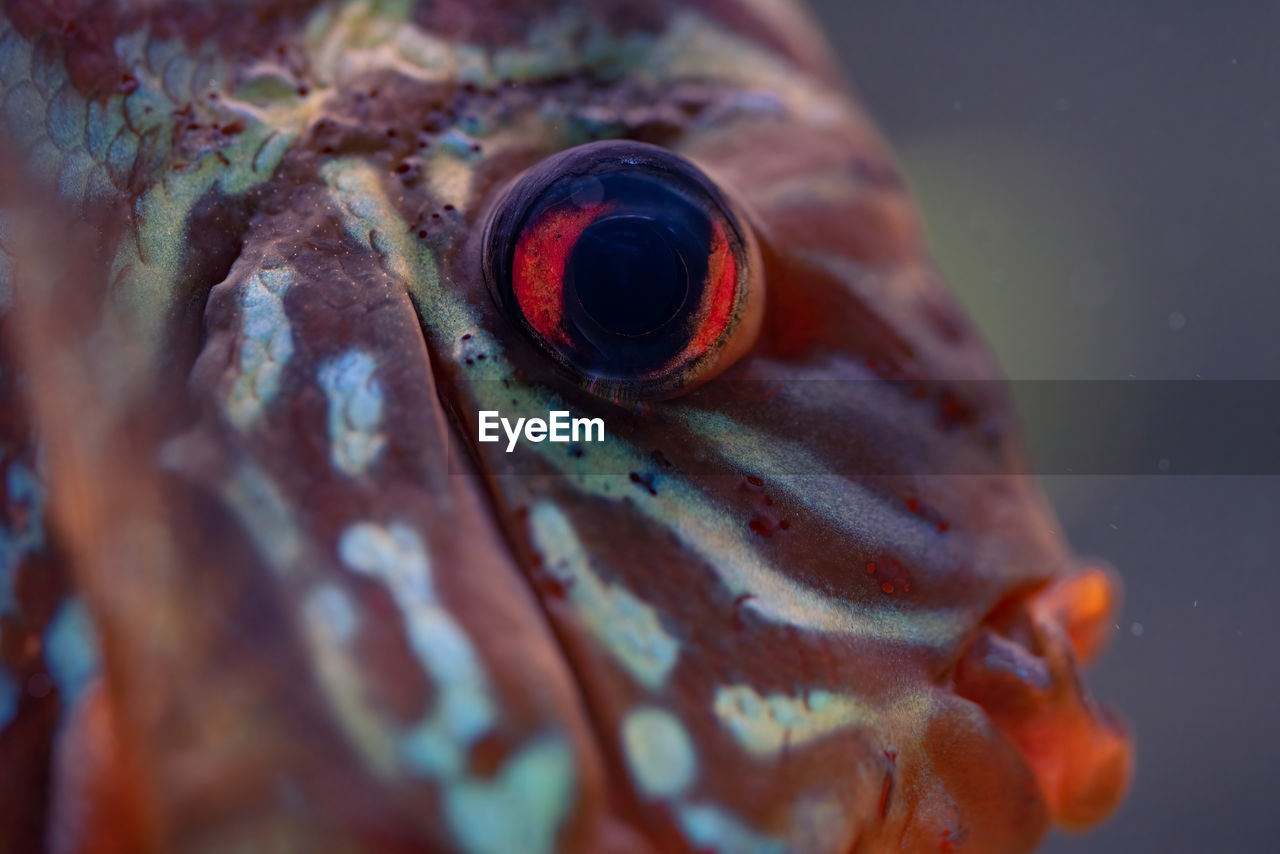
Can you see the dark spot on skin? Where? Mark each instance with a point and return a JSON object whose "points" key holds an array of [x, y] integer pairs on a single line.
{"points": [[480, 358], [448, 207], [128, 84], [645, 481], [466, 337], [422, 233], [576, 452], [471, 361], [303, 91]]}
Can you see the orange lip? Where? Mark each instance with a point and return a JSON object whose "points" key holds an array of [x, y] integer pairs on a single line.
{"points": [[1024, 669]]}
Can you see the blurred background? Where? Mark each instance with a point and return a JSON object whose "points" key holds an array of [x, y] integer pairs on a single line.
{"points": [[1100, 183]]}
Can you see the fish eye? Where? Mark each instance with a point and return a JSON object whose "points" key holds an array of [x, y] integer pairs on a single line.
{"points": [[627, 266]]}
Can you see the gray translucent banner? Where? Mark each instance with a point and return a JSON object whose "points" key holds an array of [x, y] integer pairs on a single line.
{"points": [[893, 428]]}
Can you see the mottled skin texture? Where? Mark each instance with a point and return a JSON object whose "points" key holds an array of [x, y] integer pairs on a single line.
{"points": [[327, 622]]}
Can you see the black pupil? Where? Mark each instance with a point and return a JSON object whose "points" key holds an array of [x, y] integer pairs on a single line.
{"points": [[627, 276]]}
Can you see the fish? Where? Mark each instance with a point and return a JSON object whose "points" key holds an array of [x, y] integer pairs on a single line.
{"points": [[263, 587]]}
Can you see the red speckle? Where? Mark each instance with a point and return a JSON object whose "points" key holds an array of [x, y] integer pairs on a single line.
{"points": [[916, 506], [752, 480], [128, 84], [422, 232], [766, 524], [954, 412], [946, 844], [550, 585], [890, 575]]}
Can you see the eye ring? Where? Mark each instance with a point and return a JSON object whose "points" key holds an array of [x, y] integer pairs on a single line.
{"points": [[629, 267]]}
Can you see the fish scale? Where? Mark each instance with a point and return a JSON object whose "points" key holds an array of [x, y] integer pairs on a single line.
{"points": [[750, 621]]}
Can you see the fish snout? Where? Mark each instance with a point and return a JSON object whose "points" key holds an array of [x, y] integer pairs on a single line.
{"points": [[1023, 667]]}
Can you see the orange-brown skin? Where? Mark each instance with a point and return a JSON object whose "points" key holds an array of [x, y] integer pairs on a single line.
{"points": [[839, 525]]}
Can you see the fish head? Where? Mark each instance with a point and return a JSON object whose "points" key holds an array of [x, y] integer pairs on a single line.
{"points": [[799, 591]]}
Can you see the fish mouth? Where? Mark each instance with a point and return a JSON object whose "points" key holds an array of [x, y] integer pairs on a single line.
{"points": [[1023, 666]]}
